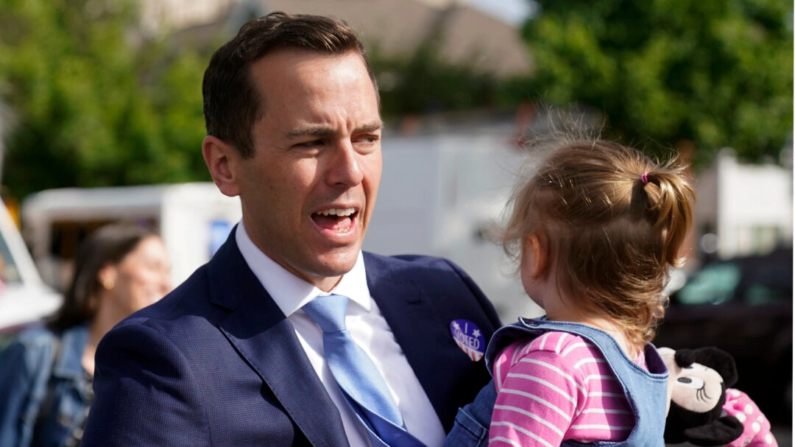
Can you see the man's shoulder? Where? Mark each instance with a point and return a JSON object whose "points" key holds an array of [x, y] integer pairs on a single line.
{"points": [[409, 266], [427, 272], [430, 276]]}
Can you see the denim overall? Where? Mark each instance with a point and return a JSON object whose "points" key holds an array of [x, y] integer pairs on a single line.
{"points": [[646, 391]]}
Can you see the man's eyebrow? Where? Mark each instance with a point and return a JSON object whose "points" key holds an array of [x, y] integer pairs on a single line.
{"points": [[371, 127], [310, 131], [325, 131]]}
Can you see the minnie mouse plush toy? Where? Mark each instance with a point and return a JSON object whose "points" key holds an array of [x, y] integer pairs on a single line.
{"points": [[702, 410]]}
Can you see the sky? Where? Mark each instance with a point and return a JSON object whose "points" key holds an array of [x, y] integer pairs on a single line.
{"points": [[512, 11]]}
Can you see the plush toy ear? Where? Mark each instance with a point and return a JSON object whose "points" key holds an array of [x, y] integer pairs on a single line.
{"points": [[718, 432], [684, 357], [719, 360]]}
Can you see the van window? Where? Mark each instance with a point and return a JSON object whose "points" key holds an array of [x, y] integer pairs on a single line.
{"points": [[9, 272]]}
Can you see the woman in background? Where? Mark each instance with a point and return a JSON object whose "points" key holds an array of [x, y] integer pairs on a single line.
{"points": [[46, 374]]}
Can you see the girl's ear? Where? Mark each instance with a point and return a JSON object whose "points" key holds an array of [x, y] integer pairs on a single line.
{"points": [[537, 245]]}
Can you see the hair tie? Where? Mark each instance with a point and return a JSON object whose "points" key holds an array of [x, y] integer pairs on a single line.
{"points": [[644, 178]]}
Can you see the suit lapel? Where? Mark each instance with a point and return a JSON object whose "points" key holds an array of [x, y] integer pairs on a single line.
{"points": [[263, 336], [417, 329]]}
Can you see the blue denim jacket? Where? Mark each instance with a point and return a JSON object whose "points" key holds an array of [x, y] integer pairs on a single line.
{"points": [[26, 370], [645, 390]]}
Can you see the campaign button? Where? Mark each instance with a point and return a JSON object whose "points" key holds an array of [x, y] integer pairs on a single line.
{"points": [[469, 338]]}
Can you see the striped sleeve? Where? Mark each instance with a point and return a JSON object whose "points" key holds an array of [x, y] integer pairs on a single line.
{"points": [[538, 397]]}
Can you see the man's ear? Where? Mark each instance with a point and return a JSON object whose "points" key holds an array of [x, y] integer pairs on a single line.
{"points": [[222, 160], [537, 244]]}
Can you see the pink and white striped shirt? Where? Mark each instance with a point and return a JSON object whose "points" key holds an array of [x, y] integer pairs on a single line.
{"points": [[557, 387]]}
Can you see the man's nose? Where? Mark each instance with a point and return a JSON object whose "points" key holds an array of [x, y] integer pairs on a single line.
{"points": [[344, 167]]}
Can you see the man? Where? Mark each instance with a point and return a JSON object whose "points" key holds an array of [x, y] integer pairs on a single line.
{"points": [[242, 353]]}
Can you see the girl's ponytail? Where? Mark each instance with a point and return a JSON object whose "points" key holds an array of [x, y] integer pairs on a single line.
{"points": [[671, 206]]}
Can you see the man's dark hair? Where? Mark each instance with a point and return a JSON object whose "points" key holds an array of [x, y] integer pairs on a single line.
{"points": [[231, 102]]}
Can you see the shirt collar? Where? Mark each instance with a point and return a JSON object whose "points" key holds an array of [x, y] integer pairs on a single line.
{"points": [[290, 292]]}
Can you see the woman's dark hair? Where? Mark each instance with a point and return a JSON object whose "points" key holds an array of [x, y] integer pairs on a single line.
{"points": [[107, 245]]}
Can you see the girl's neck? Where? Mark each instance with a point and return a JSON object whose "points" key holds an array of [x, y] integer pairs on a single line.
{"points": [[560, 307], [567, 311]]}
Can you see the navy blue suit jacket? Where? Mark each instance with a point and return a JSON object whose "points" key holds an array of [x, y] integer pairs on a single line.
{"points": [[216, 363]]}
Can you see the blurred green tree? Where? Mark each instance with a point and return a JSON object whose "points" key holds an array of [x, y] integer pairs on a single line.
{"points": [[699, 74], [423, 82], [94, 102]]}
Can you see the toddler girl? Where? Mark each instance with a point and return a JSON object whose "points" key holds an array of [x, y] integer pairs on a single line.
{"points": [[594, 231]]}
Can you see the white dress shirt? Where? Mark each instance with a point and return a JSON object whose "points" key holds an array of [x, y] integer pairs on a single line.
{"points": [[369, 330]]}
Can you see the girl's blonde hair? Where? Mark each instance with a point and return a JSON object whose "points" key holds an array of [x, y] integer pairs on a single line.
{"points": [[614, 221]]}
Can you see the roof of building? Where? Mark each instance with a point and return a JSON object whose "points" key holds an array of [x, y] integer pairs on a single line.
{"points": [[393, 27]]}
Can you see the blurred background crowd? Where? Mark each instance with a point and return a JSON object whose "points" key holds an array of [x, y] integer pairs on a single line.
{"points": [[101, 121]]}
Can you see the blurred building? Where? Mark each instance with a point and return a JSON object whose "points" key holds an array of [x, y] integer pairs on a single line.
{"points": [[390, 27], [443, 190], [743, 209]]}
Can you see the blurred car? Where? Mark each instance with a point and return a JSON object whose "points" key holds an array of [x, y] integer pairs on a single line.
{"points": [[743, 306]]}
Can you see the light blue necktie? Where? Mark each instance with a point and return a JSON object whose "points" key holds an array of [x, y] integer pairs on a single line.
{"points": [[358, 378]]}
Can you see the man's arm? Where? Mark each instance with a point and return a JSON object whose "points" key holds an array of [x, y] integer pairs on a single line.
{"points": [[145, 393]]}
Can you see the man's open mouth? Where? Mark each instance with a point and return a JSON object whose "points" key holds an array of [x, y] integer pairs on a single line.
{"points": [[340, 220]]}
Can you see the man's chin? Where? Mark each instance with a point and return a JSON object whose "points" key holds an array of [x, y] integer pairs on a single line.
{"points": [[335, 269], [329, 269]]}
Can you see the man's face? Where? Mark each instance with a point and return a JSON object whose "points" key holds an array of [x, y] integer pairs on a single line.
{"points": [[309, 191]]}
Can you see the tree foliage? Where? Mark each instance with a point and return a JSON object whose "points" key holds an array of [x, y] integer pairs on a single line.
{"points": [[423, 82], [710, 73], [94, 102], [97, 103]]}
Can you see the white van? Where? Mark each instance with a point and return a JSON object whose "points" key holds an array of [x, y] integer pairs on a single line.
{"points": [[24, 298], [193, 219]]}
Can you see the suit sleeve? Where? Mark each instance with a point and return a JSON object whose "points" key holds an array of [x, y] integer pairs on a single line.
{"points": [[145, 393]]}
